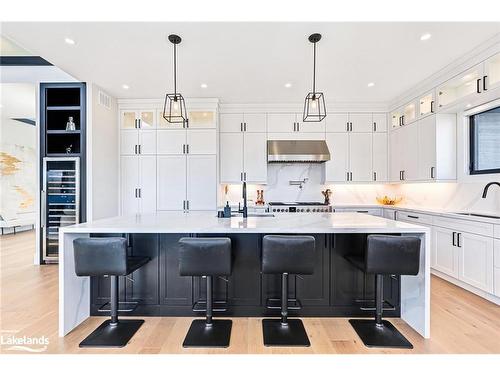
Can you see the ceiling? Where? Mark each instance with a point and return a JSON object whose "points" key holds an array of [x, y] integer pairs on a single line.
{"points": [[251, 62]]}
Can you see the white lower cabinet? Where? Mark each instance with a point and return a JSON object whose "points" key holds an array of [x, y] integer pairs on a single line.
{"points": [[476, 260], [445, 253], [138, 184]]}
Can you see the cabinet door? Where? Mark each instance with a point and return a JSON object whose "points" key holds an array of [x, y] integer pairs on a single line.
{"points": [[361, 122], [427, 148], [336, 169], [255, 122], [396, 118], [281, 122], [409, 144], [128, 119], [231, 122], [476, 261], [164, 124], [444, 252], [336, 122], [380, 156], [395, 153], [202, 142], [129, 183], [202, 182], [231, 157], [171, 142], [147, 120], [201, 119], [464, 85], [147, 140], [147, 183], [310, 127], [129, 139], [492, 72], [426, 104], [380, 122], [496, 268], [255, 157], [360, 156], [171, 186], [409, 113]]}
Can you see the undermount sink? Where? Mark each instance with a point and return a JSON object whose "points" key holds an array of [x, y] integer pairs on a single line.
{"points": [[478, 215]]}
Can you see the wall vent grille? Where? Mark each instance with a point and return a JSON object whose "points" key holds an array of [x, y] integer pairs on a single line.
{"points": [[104, 100]]}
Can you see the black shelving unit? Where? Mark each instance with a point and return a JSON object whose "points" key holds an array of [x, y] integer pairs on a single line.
{"points": [[58, 102]]}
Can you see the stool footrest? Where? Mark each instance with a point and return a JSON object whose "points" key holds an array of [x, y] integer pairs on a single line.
{"points": [[122, 307], [370, 305], [218, 306], [275, 304]]}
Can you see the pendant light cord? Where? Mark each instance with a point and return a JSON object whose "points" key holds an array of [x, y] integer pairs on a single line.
{"points": [[175, 72], [314, 71]]}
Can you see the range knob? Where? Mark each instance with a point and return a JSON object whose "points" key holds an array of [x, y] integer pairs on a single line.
{"points": [[286, 210], [308, 210], [274, 209], [314, 210]]}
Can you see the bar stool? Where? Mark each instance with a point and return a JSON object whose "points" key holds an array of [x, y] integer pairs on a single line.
{"points": [[101, 257], [385, 255], [286, 255], [206, 257]]}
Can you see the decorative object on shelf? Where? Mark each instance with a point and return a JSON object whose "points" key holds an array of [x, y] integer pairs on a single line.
{"points": [[389, 201], [69, 149], [314, 105], [327, 194], [70, 125], [260, 198], [174, 109]]}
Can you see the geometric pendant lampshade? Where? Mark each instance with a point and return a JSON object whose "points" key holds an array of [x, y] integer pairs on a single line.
{"points": [[314, 104], [174, 108]]}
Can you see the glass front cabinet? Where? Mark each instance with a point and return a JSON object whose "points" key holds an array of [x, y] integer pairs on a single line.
{"points": [[460, 87], [492, 72], [396, 118], [426, 104], [409, 113]]}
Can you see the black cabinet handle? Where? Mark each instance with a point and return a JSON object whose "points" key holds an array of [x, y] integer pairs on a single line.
{"points": [[413, 217], [432, 106], [484, 83], [459, 236], [187, 149], [183, 149], [241, 126], [453, 238], [432, 172], [374, 126], [403, 120], [362, 212], [347, 176], [140, 193], [245, 126], [374, 176], [140, 152], [478, 89], [347, 126], [135, 149]]}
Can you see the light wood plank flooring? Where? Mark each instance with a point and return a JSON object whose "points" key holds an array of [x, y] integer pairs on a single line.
{"points": [[460, 321]]}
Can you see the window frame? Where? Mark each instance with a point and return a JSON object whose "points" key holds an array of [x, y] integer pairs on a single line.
{"points": [[472, 148]]}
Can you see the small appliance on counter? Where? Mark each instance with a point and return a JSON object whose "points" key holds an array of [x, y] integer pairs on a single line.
{"points": [[260, 198], [299, 207], [327, 194]]}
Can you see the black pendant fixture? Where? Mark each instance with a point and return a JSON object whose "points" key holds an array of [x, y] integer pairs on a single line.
{"points": [[174, 109], [314, 105]]}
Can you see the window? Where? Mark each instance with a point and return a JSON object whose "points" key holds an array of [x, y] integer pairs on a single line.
{"points": [[485, 142]]}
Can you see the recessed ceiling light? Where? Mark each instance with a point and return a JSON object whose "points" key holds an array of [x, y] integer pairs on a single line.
{"points": [[203, 85], [69, 41], [425, 36], [288, 85], [126, 87], [371, 84]]}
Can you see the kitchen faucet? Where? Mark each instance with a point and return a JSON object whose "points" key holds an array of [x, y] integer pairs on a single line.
{"points": [[485, 191], [244, 211]]}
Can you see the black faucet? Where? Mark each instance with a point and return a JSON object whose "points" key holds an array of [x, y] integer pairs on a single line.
{"points": [[244, 211], [485, 191]]}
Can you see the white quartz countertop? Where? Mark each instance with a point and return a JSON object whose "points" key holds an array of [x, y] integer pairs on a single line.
{"points": [[207, 222]]}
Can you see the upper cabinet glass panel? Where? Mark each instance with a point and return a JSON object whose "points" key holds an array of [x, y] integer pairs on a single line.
{"points": [[467, 83], [426, 104], [396, 118], [409, 113], [147, 119], [128, 120], [164, 124], [492, 71], [201, 119]]}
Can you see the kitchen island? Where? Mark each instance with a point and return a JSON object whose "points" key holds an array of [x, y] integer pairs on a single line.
{"points": [[335, 289]]}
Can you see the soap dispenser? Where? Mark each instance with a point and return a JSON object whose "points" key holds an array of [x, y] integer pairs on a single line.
{"points": [[227, 210]]}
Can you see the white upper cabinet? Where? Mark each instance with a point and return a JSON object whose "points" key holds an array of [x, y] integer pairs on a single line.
{"points": [[128, 119], [255, 157], [147, 184], [336, 169], [337, 122], [171, 141], [171, 177], [379, 157], [137, 119], [360, 122], [281, 122], [129, 183], [460, 87], [492, 72], [380, 122], [409, 113], [404, 154], [231, 122], [202, 120], [296, 136], [396, 118], [146, 119], [147, 142], [201, 141], [254, 122], [164, 124], [201, 183], [426, 104], [310, 127], [231, 157], [129, 139], [360, 157]]}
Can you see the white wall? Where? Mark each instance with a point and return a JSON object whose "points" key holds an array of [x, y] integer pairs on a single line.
{"points": [[102, 156]]}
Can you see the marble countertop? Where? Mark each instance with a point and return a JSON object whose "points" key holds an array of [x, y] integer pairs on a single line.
{"points": [[207, 222]]}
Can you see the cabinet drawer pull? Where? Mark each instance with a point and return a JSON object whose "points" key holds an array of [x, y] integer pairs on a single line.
{"points": [[478, 88], [139, 147], [374, 126], [374, 176], [241, 126], [484, 83], [362, 212], [432, 106], [459, 237], [347, 176], [245, 126], [413, 217], [432, 172], [187, 149], [183, 149], [453, 241]]}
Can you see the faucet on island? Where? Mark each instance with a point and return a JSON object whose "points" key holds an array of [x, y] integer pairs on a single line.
{"points": [[244, 211], [485, 191]]}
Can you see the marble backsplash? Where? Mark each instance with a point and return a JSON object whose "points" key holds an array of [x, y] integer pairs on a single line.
{"points": [[447, 196]]}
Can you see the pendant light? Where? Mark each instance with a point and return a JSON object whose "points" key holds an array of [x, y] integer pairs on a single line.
{"points": [[314, 105], [174, 109]]}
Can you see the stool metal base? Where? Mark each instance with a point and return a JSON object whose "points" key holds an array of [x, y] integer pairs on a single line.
{"points": [[108, 336], [385, 336], [292, 334], [202, 336]]}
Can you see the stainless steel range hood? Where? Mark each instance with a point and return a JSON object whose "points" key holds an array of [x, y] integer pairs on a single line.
{"points": [[299, 151]]}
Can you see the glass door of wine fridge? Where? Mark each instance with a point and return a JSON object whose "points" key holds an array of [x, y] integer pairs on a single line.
{"points": [[60, 201]]}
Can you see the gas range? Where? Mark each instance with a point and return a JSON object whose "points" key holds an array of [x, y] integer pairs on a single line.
{"points": [[302, 207]]}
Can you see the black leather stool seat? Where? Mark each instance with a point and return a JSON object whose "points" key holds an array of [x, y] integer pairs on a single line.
{"points": [[288, 254], [205, 256], [104, 256]]}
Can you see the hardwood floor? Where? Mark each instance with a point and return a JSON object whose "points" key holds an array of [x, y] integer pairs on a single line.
{"points": [[460, 321]]}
